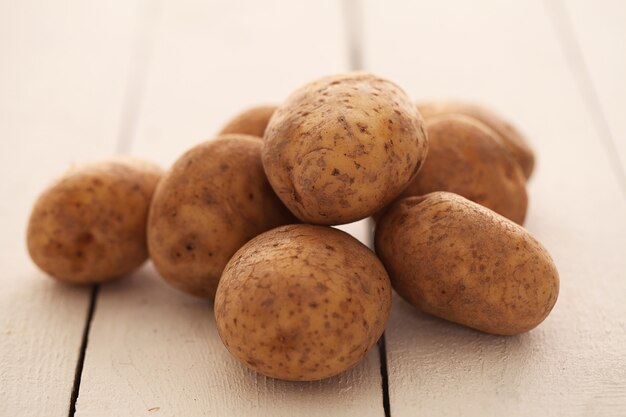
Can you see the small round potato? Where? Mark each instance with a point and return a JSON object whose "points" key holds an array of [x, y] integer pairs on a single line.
{"points": [[90, 225], [213, 200], [511, 137], [343, 147], [460, 261], [468, 158], [302, 302], [252, 121]]}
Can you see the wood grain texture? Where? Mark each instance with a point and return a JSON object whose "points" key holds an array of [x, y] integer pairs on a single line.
{"points": [[593, 35], [153, 350], [62, 79], [506, 54]]}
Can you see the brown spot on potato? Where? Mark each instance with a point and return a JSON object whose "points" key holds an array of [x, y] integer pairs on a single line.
{"points": [[76, 232], [454, 281], [296, 341], [346, 138], [214, 218]]}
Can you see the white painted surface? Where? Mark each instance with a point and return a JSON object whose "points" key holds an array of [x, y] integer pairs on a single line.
{"points": [[152, 350], [62, 78], [155, 351], [598, 31], [506, 54], [70, 86]]}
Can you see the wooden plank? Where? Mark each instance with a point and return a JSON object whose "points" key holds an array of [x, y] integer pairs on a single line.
{"points": [[594, 35], [153, 350], [62, 79], [506, 54]]}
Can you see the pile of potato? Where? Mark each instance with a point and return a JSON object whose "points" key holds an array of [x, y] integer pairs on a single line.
{"points": [[243, 220]]}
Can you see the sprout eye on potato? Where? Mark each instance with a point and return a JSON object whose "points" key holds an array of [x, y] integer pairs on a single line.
{"points": [[213, 200], [468, 158], [341, 148], [252, 121], [302, 302], [457, 260], [510, 136], [90, 225]]}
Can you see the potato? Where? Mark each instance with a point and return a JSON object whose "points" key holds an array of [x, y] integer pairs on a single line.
{"points": [[511, 137], [90, 225], [343, 147], [457, 260], [302, 302], [213, 200], [252, 121], [468, 158]]}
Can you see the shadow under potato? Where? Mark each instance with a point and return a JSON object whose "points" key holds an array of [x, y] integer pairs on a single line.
{"points": [[442, 353], [171, 340]]}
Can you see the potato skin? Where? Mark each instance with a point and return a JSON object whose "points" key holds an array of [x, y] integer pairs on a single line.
{"points": [[90, 225], [511, 137], [343, 147], [466, 157], [252, 121], [213, 200], [302, 302], [457, 260]]}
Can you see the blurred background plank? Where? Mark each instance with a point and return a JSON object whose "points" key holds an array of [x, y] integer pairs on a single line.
{"points": [[152, 349], [593, 35], [63, 73], [508, 55]]}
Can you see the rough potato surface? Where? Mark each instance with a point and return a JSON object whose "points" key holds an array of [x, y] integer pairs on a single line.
{"points": [[252, 121], [90, 225], [213, 200], [466, 157], [511, 137], [342, 147], [302, 302], [457, 260]]}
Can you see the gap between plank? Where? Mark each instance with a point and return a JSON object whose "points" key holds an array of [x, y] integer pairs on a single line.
{"points": [[564, 30], [83, 348], [382, 349], [140, 58], [354, 34]]}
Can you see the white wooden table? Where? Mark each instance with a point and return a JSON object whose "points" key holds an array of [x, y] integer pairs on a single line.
{"points": [[81, 80]]}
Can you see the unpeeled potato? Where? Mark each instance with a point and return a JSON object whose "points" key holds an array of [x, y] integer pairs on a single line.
{"points": [[516, 142], [302, 302], [342, 147], [468, 158], [90, 225], [252, 121], [213, 200], [457, 260]]}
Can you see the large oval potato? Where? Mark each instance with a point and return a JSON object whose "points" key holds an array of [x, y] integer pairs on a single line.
{"points": [[511, 137], [466, 157], [90, 225], [343, 147], [213, 200], [302, 302], [457, 260], [252, 121]]}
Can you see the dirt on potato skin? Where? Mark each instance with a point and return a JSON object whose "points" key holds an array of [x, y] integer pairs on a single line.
{"points": [[342, 147], [302, 302], [90, 225], [213, 200], [457, 260]]}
